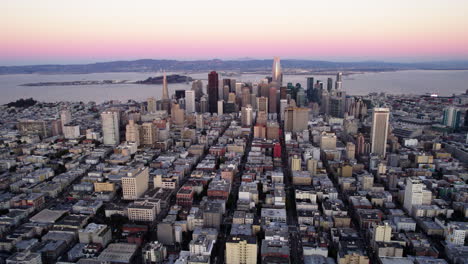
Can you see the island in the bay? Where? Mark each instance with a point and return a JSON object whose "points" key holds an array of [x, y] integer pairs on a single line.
{"points": [[173, 78]]}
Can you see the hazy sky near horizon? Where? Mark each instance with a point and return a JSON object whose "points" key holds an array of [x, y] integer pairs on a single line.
{"points": [[58, 31]]}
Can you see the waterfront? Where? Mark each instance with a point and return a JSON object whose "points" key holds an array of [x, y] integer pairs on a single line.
{"points": [[414, 82]]}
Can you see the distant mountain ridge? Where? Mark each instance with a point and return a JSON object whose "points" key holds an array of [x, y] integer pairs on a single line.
{"points": [[150, 65]]}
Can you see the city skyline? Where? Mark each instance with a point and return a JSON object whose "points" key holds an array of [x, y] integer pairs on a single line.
{"points": [[58, 32]]}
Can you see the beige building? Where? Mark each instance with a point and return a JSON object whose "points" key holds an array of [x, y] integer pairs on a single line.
{"points": [[135, 183], [350, 150], [296, 163], [104, 187], [144, 211], [379, 130], [241, 250], [178, 114], [149, 134], [328, 141], [132, 132], [151, 108], [296, 119]]}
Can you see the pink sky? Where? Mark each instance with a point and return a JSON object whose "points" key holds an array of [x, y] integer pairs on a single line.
{"points": [[51, 31]]}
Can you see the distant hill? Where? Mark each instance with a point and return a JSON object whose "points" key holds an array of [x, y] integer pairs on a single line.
{"points": [[244, 65]]}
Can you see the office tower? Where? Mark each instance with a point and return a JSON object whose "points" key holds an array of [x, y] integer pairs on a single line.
{"points": [[190, 101], [220, 107], [262, 118], [255, 89], [264, 90], [296, 119], [253, 101], [329, 84], [272, 130], [277, 75], [135, 183], [241, 250], [451, 117], [283, 105], [151, 105], [272, 100], [110, 127], [379, 131], [360, 142], [204, 104], [336, 105], [350, 150], [227, 82], [327, 141], [132, 132], [247, 115], [310, 83], [301, 98], [213, 92], [283, 92], [415, 194], [65, 118], [232, 87], [197, 86], [382, 233], [339, 81], [226, 91], [246, 96], [148, 134], [238, 88], [262, 104], [178, 114], [259, 131], [165, 91]]}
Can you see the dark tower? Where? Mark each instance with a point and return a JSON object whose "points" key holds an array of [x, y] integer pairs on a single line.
{"points": [[213, 84]]}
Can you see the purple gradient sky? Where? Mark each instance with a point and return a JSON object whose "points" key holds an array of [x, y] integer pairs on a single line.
{"points": [[57, 31]]}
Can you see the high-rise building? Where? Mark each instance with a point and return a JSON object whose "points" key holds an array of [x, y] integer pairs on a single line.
{"points": [[247, 115], [148, 134], [204, 104], [382, 233], [241, 250], [212, 90], [220, 107], [262, 104], [151, 105], [135, 183], [350, 150], [277, 75], [178, 114], [283, 106], [132, 132], [245, 96], [165, 91], [190, 101], [197, 86], [339, 81], [451, 117], [296, 119], [329, 84], [65, 117], [110, 127], [154, 252], [415, 194], [379, 130], [272, 100]]}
